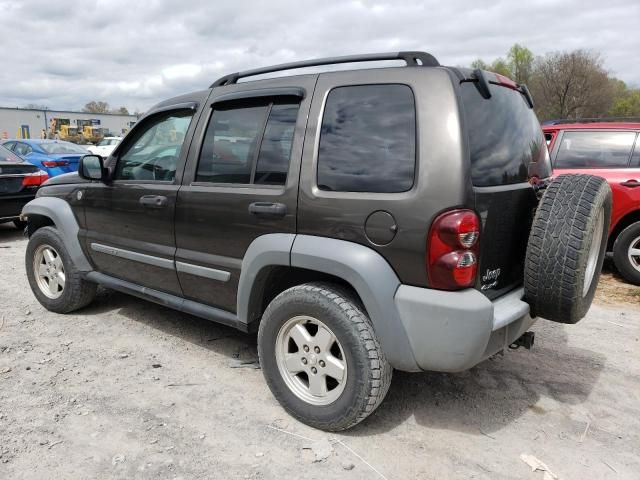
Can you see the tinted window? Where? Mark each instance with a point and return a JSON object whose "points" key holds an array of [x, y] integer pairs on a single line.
{"points": [[506, 143], [594, 149], [367, 139], [275, 150], [238, 144], [154, 151], [230, 144]]}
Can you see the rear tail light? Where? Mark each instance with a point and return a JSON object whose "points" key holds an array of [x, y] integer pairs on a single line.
{"points": [[452, 250], [506, 82], [35, 179], [55, 163]]}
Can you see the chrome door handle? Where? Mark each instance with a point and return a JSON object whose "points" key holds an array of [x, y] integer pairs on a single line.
{"points": [[268, 209], [153, 201]]}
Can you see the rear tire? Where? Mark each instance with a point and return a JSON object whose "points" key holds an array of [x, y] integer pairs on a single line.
{"points": [[54, 279], [626, 253], [566, 247], [344, 399]]}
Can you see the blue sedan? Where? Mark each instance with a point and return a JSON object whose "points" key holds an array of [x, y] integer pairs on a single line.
{"points": [[53, 156]]}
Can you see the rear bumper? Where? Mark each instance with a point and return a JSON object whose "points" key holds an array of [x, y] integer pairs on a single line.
{"points": [[453, 331]]}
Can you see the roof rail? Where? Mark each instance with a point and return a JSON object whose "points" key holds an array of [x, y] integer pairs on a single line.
{"points": [[591, 120], [412, 59]]}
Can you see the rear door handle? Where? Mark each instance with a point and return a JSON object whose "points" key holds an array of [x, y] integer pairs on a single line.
{"points": [[268, 209], [153, 201], [631, 183]]}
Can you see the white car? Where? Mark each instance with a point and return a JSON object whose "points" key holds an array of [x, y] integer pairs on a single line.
{"points": [[105, 146]]}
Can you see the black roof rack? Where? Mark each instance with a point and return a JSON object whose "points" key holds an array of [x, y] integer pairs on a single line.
{"points": [[591, 120], [413, 59]]}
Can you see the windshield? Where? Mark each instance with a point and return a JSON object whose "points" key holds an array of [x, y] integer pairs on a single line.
{"points": [[62, 147], [506, 143], [7, 156], [107, 142]]}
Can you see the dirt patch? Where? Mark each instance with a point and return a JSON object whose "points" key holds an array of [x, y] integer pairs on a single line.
{"points": [[615, 290]]}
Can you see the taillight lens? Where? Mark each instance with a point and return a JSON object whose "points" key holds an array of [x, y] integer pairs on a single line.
{"points": [[452, 250], [35, 179], [55, 163]]}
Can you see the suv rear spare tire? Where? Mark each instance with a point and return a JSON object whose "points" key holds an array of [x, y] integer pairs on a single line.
{"points": [[566, 247]]}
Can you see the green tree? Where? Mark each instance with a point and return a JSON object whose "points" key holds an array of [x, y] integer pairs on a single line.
{"points": [[520, 63], [96, 107], [122, 111], [501, 66], [626, 105]]}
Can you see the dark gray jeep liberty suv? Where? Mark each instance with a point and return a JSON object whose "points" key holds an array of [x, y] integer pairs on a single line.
{"points": [[360, 221]]}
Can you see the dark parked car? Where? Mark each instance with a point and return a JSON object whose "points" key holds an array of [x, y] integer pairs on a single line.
{"points": [[359, 221], [19, 181], [52, 156]]}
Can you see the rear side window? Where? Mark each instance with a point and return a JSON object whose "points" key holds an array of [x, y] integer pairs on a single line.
{"points": [[368, 139], [589, 149], [248, 143], [506, 144]]}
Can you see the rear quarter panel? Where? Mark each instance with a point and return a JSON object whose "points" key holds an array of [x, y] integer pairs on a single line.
{"points": [[441, 176]]}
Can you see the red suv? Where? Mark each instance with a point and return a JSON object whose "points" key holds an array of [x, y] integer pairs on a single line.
{"points": [[612, 151]]}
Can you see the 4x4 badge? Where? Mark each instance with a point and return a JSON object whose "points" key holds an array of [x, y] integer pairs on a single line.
{"points": [[490, 276]]}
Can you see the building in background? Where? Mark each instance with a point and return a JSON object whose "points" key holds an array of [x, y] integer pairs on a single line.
{"points": [[29, 123]]}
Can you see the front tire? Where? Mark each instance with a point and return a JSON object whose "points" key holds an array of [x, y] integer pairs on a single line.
{"points": [[321, 358], [626, 253], [54, 279]]}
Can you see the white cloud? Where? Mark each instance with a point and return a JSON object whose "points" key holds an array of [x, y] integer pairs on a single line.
{"points": [[64, 54]]}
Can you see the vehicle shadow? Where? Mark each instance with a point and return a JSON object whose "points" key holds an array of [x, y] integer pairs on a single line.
{"points": [[496, 392], [9, 233], [480, 401], [206, 334]]}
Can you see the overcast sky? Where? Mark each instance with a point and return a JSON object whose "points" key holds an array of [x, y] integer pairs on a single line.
{"points": [[134, 53]]}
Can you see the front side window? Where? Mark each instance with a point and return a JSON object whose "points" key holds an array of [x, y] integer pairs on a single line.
{"points": [[154, 152], [248, 143], [589, 149], [368, 139]]}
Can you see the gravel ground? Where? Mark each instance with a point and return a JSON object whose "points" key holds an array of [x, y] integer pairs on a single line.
{"points": [[129, 389]]}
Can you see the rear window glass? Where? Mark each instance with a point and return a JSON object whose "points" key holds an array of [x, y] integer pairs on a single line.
{"points": [[588, 149], [506, 143], [8, 156], [367, 139], [56, 148]]}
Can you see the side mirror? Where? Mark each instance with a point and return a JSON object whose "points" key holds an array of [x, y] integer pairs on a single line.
{"points": [[91, 168]]}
